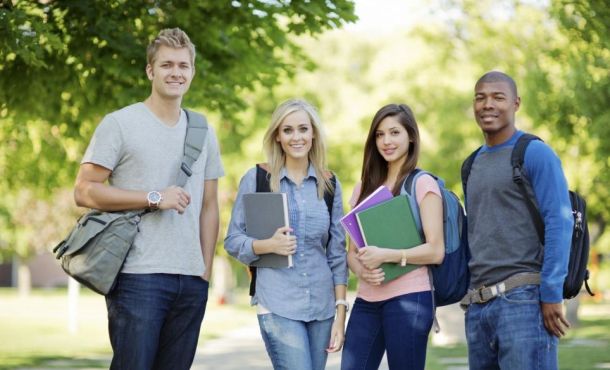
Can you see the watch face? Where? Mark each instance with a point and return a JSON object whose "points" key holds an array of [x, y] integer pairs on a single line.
{"points": [[154, 197]]}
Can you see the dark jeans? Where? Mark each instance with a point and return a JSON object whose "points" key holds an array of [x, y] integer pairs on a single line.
{"points": [[399, 325], [154, 320]]}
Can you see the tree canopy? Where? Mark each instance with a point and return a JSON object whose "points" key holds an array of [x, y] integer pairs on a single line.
{"points": [[53, 89], [65, 63]]}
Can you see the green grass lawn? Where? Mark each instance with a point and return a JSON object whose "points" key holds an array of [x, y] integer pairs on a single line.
{"points": [[34, 329], [34, 332]]}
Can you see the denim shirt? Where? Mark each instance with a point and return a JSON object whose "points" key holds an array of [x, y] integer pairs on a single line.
{"points": [[305, 291]]}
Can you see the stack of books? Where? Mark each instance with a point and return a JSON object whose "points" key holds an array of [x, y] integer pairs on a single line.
{"points": [[384, 221]]}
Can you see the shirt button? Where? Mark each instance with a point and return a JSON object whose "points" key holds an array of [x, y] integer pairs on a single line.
{"points": [[307, 291], [302, 254], [304, 274]]}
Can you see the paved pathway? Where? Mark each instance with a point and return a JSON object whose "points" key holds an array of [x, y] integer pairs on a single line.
{"points": [[244, 348]]}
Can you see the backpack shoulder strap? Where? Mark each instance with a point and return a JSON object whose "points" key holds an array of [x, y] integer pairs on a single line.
{"points": [[409, 186], [466, 167], [262, 178], [409, 183], [196, 132], [330, 195], [518, 155], [517, 158], [262, 186]]}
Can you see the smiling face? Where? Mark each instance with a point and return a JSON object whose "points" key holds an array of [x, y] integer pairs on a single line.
{"points": [[494, 108], [392, 140], [171, 72], [295, 135]]}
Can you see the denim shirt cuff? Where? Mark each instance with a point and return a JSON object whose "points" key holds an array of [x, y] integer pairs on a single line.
{"points": [[248, 256], [339, 280]]}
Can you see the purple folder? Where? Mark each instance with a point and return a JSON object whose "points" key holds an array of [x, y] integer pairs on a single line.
{"points": [[350, 222]]}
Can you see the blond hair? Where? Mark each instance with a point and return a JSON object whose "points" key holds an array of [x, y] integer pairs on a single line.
{"points": [[276, 157], [172, 37]]}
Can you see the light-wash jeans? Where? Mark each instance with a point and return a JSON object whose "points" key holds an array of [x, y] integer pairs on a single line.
{"points": [[293, 344], [508, 333]]}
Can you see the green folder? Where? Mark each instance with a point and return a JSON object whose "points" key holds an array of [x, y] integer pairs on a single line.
{"points": [[390, 225]]}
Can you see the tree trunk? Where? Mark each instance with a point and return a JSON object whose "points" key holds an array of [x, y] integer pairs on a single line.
{"points": [[24, 277]]}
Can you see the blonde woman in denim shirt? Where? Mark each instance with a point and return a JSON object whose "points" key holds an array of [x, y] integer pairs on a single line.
{"points": [[301, 310]]}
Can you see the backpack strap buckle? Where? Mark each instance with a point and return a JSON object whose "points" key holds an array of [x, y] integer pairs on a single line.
{"points": [[517, 176]]}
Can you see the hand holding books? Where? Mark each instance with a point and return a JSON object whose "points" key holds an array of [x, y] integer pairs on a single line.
{"points": [[372, 257], [371, 276], [386, 222], [281, 242]]}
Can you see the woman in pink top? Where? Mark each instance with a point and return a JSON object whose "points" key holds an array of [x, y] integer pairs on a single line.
{"points": [[394, 316]]}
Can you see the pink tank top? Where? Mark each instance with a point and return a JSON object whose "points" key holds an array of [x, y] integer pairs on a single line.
{"points": [[411, 282]]}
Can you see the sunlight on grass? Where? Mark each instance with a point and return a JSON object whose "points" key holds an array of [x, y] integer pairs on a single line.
{"points": [[35, 333], [35, 329]]}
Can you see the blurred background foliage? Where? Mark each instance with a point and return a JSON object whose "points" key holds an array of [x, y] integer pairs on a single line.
{"points": [[64, 64]]}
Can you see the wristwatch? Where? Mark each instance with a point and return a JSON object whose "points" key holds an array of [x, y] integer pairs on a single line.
{"points": [[342, 302], [154, 198]]}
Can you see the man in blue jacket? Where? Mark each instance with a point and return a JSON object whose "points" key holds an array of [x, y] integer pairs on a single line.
{"points": [[514, 309]]}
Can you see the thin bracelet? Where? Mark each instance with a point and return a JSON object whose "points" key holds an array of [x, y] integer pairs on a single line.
{"points": [[403, 257], [342, 302]]}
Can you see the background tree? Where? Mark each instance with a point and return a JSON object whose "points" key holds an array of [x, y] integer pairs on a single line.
{"points": [[560, 55], [254, 55], [64, 63], [433, 67]]}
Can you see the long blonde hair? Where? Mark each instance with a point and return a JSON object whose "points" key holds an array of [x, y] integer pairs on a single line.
{"points": [[276, 157]]}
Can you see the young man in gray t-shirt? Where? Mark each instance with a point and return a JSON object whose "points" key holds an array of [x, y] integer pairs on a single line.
{"points": [[132, 162]]}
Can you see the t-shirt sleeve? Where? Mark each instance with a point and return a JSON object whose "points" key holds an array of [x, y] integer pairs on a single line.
{"points": [[106, 144], [213, 167], [426, 184]]}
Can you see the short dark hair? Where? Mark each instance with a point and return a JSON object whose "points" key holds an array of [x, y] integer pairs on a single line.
{"points": [[497, 76]]}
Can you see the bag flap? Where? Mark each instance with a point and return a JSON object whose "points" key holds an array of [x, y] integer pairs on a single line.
{"points": [[88, 227]]}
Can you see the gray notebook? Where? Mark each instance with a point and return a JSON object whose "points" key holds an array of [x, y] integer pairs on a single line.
{"points": [[265, 213]]}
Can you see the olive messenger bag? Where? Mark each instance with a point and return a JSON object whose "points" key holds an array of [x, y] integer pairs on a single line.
{"points": [[94, 251]]}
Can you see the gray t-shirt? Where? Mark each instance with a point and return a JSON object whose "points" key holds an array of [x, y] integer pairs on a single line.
{"points": [[145, 154]]}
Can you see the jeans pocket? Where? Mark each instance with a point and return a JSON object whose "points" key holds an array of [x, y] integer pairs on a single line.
{"points": [[526, 294]]}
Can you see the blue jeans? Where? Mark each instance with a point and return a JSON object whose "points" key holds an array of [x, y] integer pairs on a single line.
{"points": [[154, 320], [508, 333], [295, 345], [399, 325]]}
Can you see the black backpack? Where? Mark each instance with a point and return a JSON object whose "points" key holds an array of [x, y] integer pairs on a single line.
{"points": [[262, 186], [579, 249]]}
